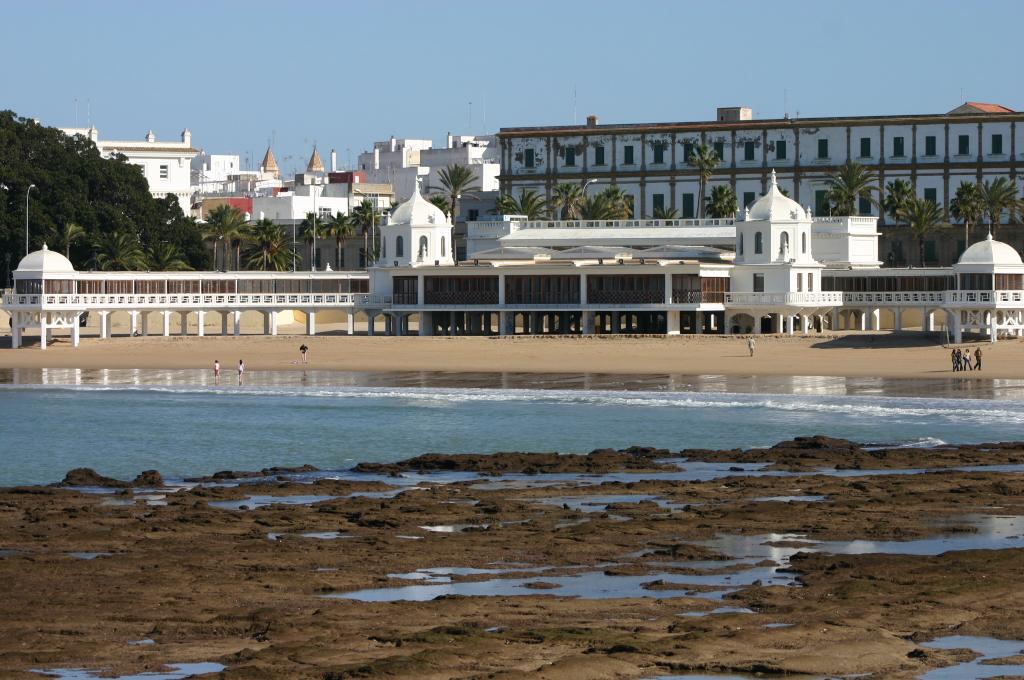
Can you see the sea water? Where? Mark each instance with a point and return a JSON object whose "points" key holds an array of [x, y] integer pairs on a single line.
{"points": [[178, 422]]}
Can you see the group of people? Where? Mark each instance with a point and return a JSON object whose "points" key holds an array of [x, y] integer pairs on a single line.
{"points": [[303, 351], [962, 360]]}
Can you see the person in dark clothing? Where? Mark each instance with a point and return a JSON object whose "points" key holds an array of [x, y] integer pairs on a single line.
{"points": [[977, 359], [953, 358]]}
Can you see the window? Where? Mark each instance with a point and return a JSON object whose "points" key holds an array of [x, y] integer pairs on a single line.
{"points": [[599, 155], [570, 157], [759, 280], [810, 282], [822, 148], [865, 147], [929, 145], [963, 146], [897, 147], [165, 171], [658, 202], [399, 246], [931, 195], [758, 243], [688, 212], [474, 215], [528, 158], [799, 282], [997, 145], [803, 243], [659, 152], [424, 247], [627, 154], [821, 206], [687, 150], [748, 198], [720, 150], [784, 246], [780, 150], [748, 151], [864, 205]]}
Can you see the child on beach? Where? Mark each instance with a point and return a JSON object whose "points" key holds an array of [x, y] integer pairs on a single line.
{"points": [[216, 372], [750, 346], [302, 352], [241, 370]]}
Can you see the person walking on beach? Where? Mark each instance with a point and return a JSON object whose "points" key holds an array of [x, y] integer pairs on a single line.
{"points": [[966, 359], [750, 346], [302, 352], [216, 372], [241, 370], [977, 359], [956, 360]]}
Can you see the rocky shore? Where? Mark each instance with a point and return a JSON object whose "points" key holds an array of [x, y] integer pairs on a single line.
{"points": [[811, 557]]}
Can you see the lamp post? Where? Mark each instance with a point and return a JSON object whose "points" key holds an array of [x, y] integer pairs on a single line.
{"points": [[27, 193]]}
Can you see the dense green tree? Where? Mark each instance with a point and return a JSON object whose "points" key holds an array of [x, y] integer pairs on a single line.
{"points": [[339, 228], [442, 204], [898, 195], [457, 181], [722, 202], [705, 160], [923, 216], [996, 196], [165, 257], [849, 184], [366, 219], [567, 201], [530, 203], [268, 248], [224, 224], [665, 214], [119, 251], [968, 207], [74, 184], [65, 236]]}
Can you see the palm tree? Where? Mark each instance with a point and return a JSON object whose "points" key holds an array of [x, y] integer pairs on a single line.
{"points": [[166, 257], [530, 203], [666, 213], [119, 251], [442, 204], [364, 216], [968, 207], [620, 202], [456, 181], [237, 232], [898, 195], [705, 160], [339, 228], [923, 216], [722, 202], [997, 196], [221, 223], [310, 231], [567, 201], [598, 207], [66, 235], [849, 184], [269, 249]]}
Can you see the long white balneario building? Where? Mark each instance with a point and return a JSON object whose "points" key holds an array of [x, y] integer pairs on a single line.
{"points": [[775, 269]]}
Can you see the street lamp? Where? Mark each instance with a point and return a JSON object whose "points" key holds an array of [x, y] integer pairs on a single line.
{"points": [[27, 192]]}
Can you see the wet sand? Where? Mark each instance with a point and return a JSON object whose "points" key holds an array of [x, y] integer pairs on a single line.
{"points": [[267, 592], [863, 354]]}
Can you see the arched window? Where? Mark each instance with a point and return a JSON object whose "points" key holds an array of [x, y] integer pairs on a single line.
{"points": [[741, 244], [784, 245], [803, 243], [442, 247], [399, 247], [423, 249], [758, 243]]}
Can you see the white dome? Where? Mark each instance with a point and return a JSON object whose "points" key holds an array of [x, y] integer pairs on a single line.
{"points": [[775, 207], [45, 261], [990, 252], [418, 211]]}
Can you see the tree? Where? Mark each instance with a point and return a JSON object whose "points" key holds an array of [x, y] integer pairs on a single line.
{"points": [[365, 218], [530, 203], [996, 196], [923, 216], [165, 257], [222, 224], [119, 251], [456, 181], [339, 228], [968, 207], [442, 204], [722, 202], [309, 230], [268, 249], [567, 201], [849, 184], [611, 204], [237, 232], [666, 214], [70, 233], [898, 195], [705, 160]]}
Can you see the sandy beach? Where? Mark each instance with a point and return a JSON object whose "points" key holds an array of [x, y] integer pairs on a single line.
{"points": [[853, 355]]}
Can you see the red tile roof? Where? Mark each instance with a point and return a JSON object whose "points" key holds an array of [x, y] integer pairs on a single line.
{"points": [[981, 107]]}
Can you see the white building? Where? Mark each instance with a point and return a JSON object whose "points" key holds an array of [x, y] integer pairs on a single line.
{"points": [[165, 165]]}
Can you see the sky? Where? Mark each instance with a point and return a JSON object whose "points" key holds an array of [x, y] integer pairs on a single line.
{"points": [[342, 74]]}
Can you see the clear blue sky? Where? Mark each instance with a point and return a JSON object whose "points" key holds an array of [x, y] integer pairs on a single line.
{"points": [[347, 73]]}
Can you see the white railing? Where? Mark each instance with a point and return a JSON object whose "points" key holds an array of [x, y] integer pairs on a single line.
{"points": [[916, 297], [190, 300], [985, 297], [796, 299], [625, 224]]}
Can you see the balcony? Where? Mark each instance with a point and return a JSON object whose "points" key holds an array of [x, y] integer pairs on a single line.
{"points": [[696, 297], [163, 301], [988, 298], [469, 297], [815, 299], [626, 297]]}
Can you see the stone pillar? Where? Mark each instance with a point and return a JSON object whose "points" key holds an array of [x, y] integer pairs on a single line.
{"points": [[134, 322], [958, 335], [780, 326], [993, 333], [223, 323], [237, 322], [805, 321], [369, 323], [726, 323], [588, 323], [927, 320], [698, 323], [897, 319], [790, 322], [273, 322], [672, 321], [43, 328], [166, 314], [266, 323], [200, 323], [104, 325], [310, 322], [351, 322], [426, 323], [75, 329], [15, 330], [616, 323], [834, 314], [184, 323], [862, 320], [145, 324]]}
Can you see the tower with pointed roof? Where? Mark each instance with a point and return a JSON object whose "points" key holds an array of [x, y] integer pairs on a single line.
{"points": [[269, 165], [315, 164]]}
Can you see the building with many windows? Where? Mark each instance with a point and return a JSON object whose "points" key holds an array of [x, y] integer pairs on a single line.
{"points": [[935, 153]]}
